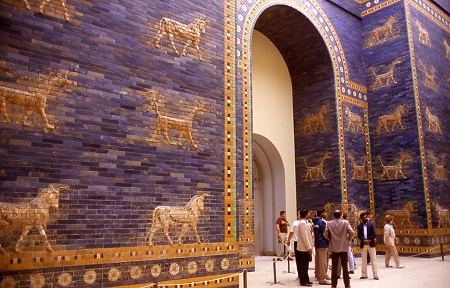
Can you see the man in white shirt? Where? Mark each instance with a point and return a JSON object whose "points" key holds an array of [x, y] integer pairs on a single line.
{"points": [[305, 245]]}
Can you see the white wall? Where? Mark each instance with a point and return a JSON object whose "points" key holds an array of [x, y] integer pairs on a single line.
{"points": [[273, 134]]}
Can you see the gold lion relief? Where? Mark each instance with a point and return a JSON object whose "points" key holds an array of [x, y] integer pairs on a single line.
{"points": [[190, 33]]}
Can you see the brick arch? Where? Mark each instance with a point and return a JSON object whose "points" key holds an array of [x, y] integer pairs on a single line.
{"points": [[248, 16]]}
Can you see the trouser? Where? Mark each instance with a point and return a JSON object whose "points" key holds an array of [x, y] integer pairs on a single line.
{"points": [[281, 245], [321, 264], [297, 258], [391, 251], [351, 260], [303, 267], [373, 256], [343, 259]]}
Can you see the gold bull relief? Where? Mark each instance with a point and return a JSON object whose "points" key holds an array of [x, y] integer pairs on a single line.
{"points": [[31, 101], [439, 171], [391, 120], [34, 214], [383, 33], [166, 217], [447, 49], [355, 122], [434, 123], [443, 215], [190, 33], [402, 217], [424, 36], [315, 122], [183, 126]]}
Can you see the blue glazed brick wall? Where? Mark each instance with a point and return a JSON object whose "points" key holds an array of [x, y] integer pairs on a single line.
{"points": [[102, 121], [433, 93]]}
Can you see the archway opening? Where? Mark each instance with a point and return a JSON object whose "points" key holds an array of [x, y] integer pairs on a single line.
{"points": [[310, 79]]}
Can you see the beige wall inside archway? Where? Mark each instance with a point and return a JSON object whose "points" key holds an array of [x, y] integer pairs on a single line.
{"points": [[273, 137]]}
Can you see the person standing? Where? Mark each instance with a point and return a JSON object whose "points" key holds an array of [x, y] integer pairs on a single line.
{"points": [[389, 241], [351, 257], [293, 235], [304, 247], [282, 230], [321, 245], [370, 218], [339, 232], [367, 234]]}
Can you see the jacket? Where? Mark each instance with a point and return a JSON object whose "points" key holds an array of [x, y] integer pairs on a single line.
{"points": [[319, 228], [339, 232], [304, 237], [371, 233]]}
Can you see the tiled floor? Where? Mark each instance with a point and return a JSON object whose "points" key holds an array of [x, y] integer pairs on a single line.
{"points": [[418, 272]]}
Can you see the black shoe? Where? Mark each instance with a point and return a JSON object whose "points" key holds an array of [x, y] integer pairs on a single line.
{"points": [[307, 285], [376, 278], [362, 277], [351, 272]]}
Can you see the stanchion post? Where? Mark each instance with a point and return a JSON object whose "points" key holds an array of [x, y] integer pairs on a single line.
{"points": [[274, 271], [442, 252], [289, 264], [155, 285], [245, 278]]}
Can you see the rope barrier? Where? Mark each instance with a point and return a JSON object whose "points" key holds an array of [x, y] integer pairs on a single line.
{"points": [[426, 251], [272, 264]]}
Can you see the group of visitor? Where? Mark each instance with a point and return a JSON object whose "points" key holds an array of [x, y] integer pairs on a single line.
{"points": [[333, 238]]}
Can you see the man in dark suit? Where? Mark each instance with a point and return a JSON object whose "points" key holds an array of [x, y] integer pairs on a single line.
{"points": [[367, 234]]}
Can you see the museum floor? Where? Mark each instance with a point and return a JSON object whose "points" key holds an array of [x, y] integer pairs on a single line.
{"points": [[418, 272]]}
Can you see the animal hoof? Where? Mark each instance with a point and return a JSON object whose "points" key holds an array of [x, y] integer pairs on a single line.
{"points": [[50, 126]]}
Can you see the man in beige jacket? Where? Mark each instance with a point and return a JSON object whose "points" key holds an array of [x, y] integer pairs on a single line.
{"points": [[339, 232]]}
